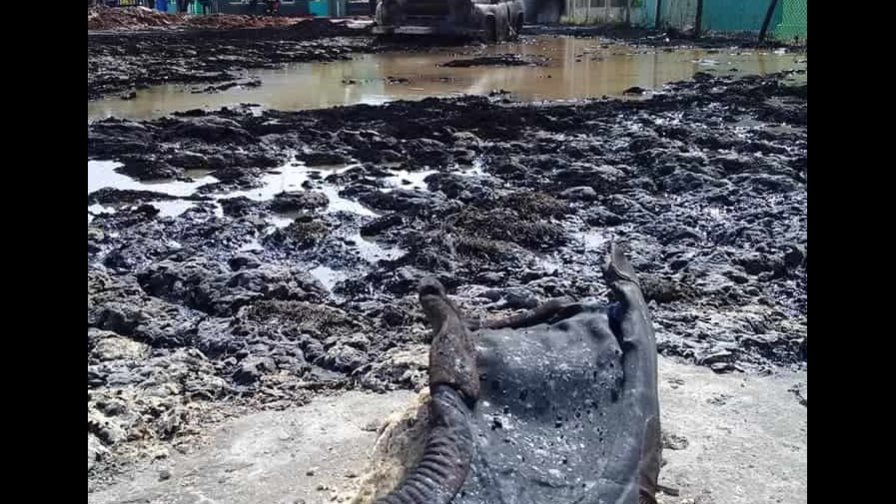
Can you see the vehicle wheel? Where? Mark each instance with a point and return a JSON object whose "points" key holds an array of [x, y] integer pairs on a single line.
{"points": [[491, 29]]}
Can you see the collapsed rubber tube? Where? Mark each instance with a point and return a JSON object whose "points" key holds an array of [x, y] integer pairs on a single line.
{"points": [[442, 469], [631, 473], [454, 387]]}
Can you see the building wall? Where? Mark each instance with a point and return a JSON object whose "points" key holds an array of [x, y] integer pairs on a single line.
{"points": [[738, 15], [788, 20], [544, 11], [718, 15], [679, 14], [793, 21], [287, 7], [639, 12]]}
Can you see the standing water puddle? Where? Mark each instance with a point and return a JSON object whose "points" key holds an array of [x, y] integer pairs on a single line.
{"points": [[288, 178], [102, 174], [566, 69], [573, 69]]}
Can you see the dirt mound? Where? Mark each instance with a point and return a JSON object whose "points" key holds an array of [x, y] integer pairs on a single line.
{"points": [[141, 18], [108, 18], [499, 60], [316, 27], [233, 21], [649, 37]]}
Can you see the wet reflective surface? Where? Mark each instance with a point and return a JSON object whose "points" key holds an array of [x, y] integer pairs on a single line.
{"points": [[287, 178], [569, 68]]}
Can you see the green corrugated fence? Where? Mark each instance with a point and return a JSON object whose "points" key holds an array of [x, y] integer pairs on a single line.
{"points": [[794, 20]]}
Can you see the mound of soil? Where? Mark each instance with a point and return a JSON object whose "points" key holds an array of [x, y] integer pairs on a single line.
{"points": [[500, 60], [109, 18], [661, 38], [142, 18]]}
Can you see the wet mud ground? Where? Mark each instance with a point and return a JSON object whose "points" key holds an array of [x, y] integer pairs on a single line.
{"points": [[122, 62], [248, 259], [536, 68]]}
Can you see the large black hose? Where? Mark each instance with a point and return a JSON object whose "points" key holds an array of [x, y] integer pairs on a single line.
{"points": [[442, 469], [454, 386]]}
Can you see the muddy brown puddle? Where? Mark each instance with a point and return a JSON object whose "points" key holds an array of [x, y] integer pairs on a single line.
{"points": [[572, 69]]}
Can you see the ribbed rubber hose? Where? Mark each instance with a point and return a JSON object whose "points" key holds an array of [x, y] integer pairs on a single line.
{"points": [[442, 469]]}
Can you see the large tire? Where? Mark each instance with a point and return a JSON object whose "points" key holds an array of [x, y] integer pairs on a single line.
{"points": [[491, 29]]}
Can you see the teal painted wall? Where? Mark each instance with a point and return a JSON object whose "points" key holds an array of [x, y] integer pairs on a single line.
{"points": [[679, 14], [648, 18], [738, 15]]}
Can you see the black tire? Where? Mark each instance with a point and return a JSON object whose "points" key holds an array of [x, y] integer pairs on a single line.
{"points": [[491, 29]]}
